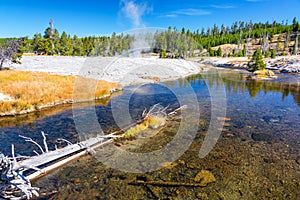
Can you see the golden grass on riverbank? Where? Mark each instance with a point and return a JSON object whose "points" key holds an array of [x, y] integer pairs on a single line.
{"points": [[33, 89]]}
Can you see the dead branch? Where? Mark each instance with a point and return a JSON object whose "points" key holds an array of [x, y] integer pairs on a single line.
{"points": [[64, 140], [144, 112], [152, 108], [13, 154], [28, 139], [178, 109], [44, 140], [157, 110], [34, 151], [13, 185]]}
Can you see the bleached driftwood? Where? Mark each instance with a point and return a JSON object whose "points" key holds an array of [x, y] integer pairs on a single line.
{"points": [[50, 156], [13, 185], [45, 142], [28, 139]]}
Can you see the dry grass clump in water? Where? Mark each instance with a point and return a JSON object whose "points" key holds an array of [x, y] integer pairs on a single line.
{"points": [[33, 89], [264, 74], [150, 122]]}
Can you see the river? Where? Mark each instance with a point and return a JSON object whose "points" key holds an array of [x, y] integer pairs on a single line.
{"points": [[255, 154]]}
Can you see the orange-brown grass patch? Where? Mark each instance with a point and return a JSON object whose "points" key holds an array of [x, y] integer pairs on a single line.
{"points": [[150, 122], [31, 89]]}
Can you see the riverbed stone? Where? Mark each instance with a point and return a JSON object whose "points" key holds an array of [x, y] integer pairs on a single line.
{"points": [[205, 177]]}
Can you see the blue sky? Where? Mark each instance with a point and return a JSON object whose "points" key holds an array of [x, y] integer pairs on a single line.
{"points": [[98, 17]]}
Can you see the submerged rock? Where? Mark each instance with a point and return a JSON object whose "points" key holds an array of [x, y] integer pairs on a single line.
{"points": [[270, 138], [205, 177], [272, 119]]}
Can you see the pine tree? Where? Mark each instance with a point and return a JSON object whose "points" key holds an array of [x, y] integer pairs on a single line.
{"points": [[267, 54], [219, 52], [65, 44], [244, 51], [256, 62], [163, 54], [48, 33], [211, 52], [273, 53], [295, 25], [45, 46], [77, 46], [55, 42], [35, 42]]}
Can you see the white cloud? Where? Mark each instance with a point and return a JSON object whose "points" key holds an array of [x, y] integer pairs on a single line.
{"points": [[223, 6], [171, 15], [134, 11], [255, 0], [192, 12], [188, 12]]}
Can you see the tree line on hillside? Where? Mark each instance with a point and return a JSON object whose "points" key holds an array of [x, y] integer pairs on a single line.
{"points": [[175, 44], [64, 44], [241, 33], [170, 43]]}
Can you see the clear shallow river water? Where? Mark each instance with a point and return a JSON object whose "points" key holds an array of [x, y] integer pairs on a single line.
{"points": [[255, 157]]}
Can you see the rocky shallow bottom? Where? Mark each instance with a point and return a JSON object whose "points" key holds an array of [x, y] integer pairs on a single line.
{"points": [[243, 165]]}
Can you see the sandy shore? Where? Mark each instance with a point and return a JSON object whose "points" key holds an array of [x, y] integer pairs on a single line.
{"points": [[122, 70]]}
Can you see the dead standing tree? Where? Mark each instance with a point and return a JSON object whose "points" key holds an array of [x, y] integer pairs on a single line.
{"points": [[12, 53]]}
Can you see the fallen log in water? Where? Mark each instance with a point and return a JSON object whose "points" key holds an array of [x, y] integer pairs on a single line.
{"points": [[13, 184], [63, 162], [50, 156]]}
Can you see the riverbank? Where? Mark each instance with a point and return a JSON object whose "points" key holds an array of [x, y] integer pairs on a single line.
{"points": [[282, 64], [46, 81], [25, 92]]}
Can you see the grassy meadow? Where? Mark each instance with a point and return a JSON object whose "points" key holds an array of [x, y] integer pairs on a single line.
{"points": [[31, 90]]}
